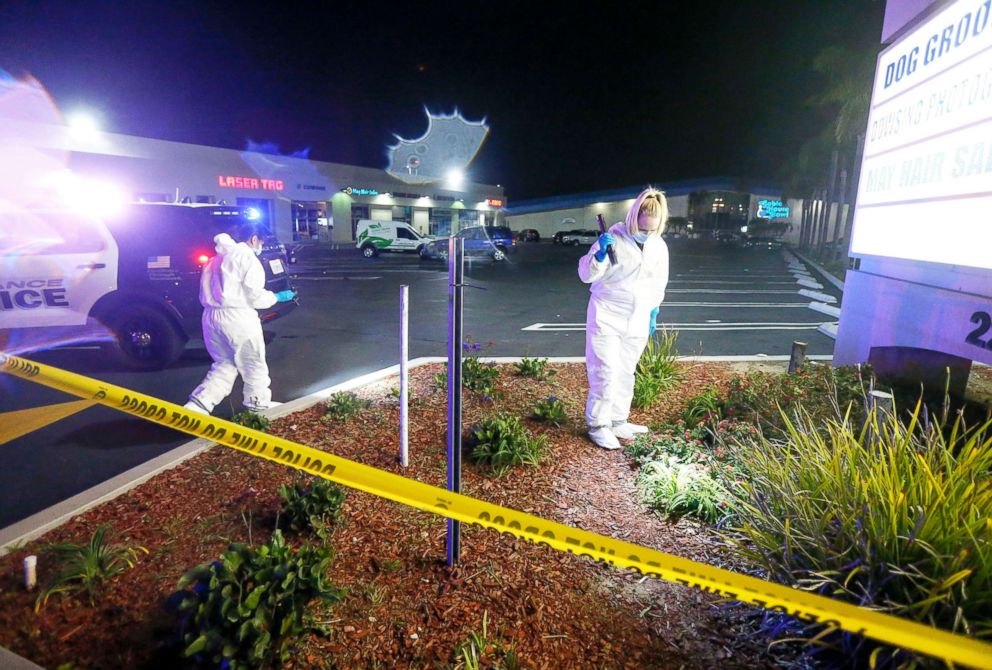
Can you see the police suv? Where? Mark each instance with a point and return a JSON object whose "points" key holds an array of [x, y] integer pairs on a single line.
{"points": [[131, 280]]}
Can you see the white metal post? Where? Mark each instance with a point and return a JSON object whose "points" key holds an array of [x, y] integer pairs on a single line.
{"points": [[404, 377]]}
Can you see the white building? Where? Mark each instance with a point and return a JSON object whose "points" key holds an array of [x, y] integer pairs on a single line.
{"points": [[301, 199]]}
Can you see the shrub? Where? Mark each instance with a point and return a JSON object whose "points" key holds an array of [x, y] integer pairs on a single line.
{"points": [[657, 368], [85, 567], [316, 506], [343, 404], [534, 367], [502, 442], [551, 410], [889, 516], [704, 407], [244, 610], [822, 391], [479, 377], [676, 487], [252, 420]]}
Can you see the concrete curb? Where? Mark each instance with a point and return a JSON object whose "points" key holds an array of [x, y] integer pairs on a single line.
{"points": [[819, 268]]}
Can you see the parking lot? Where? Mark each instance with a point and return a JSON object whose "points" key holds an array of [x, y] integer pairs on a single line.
{"points": [[722, 300]]}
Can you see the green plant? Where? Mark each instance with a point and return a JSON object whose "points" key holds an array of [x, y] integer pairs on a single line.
{"points": [[703, 408], [85, 567], [478, 376], [676, 487], [502, 442], [822, 391], [551, 410], [343, 404], [315, 506], [440, 380], [253, 420], [887, 515], [244, 610], [534, 367], [483, 649], [657, 369]]}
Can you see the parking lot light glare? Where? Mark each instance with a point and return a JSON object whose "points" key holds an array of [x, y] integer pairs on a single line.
{"points": [[455, 179]]}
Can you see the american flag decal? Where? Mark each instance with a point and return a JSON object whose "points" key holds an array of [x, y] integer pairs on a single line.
{"points": [[159, 262]]}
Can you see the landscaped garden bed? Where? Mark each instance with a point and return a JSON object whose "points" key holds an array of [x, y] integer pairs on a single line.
{"points": [[389, 599]]}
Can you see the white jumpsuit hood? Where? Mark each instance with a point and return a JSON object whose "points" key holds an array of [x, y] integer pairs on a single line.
{"points": [[617, 320], [232, 287]]}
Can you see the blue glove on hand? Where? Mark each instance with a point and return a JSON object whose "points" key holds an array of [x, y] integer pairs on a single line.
{"points": [[605, 240], [285, 296], [653, 325]]}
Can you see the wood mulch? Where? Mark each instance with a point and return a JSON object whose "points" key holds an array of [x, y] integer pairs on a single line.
{"points": [[404, 607]]}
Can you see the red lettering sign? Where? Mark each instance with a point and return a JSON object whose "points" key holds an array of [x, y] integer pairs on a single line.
{"points": [[225, 181], [494, 202]]}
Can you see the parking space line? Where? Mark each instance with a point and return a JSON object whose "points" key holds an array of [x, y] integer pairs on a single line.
{"points": [[572, 327]]}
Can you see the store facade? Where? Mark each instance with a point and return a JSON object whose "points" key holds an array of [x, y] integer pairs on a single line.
{"points": [[698, 207], [301, 199]]}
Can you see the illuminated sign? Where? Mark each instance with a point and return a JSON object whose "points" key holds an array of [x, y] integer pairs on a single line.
{"points": [[495, 202], [925, 190], [772, 209], [351, 190], [250, 183]]}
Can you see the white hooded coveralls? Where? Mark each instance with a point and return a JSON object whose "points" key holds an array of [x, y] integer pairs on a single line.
{"points": [[617, 320], [232, 287]]}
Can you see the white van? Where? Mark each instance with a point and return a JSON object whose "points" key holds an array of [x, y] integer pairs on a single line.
{"points": [[375, 236]]}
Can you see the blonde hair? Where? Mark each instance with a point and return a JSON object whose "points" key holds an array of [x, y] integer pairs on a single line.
{"points": [[651, 202]]}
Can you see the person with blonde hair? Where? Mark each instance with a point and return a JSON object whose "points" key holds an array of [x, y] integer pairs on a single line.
{"points": [[623, 309]]}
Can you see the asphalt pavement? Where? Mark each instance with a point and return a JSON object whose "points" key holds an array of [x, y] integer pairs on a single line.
{"points": [[722, 300]]}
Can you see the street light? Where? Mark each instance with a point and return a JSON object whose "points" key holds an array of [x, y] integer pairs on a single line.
{"points": [[83, 126], [455, 178]]}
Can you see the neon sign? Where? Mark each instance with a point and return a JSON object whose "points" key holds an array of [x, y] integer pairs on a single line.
{"points": [[250, 183], [350, 190], [772, 209], [494, 202]]}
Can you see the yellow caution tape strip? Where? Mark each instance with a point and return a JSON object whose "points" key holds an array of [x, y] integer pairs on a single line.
{"points": [[805, 606], [23, 421]]}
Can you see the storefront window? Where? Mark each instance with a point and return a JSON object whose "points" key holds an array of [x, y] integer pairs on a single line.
{"points": [[440, 222], [403, 214], [358, 212], [308, 218]]}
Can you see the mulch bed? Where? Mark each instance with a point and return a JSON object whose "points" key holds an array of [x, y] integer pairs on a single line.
{"points": [[404, 607]]}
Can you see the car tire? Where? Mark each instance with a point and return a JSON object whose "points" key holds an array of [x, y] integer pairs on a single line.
{"points": [[370, 250], [575, 243], [499, 254], [145, 338]]}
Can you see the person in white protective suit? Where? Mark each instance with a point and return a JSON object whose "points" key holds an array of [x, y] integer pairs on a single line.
{"points": [[232, 287], [622, 313]]}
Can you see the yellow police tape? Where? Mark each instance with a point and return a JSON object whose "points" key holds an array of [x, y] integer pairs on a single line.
{"points": [[805, 606]]}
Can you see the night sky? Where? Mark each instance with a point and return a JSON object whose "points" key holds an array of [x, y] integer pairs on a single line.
{"points": [[578, 96]]}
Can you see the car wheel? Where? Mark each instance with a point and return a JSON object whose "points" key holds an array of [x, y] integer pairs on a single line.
{"points": [[575, 243], [499, 254], [370, 250], [145, 338]]}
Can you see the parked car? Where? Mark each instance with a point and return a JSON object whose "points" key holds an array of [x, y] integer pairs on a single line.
{"points": [[373, 237], [528, 235], [561, 233], [493, 241], [137, 274], [578, 237]]}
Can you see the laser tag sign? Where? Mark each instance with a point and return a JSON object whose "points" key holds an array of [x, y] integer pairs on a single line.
{"points": [[32, 294]]}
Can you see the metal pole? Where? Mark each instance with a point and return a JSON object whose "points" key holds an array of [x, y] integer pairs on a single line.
{"points": [[404, 376], [798, 356], [456, 275]]}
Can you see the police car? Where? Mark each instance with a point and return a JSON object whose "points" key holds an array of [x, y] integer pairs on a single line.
{"points": [[131, 280]]}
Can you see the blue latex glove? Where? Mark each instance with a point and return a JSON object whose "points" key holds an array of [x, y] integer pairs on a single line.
{"points": [[653, 325], [285, 296], [605, 240]]}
